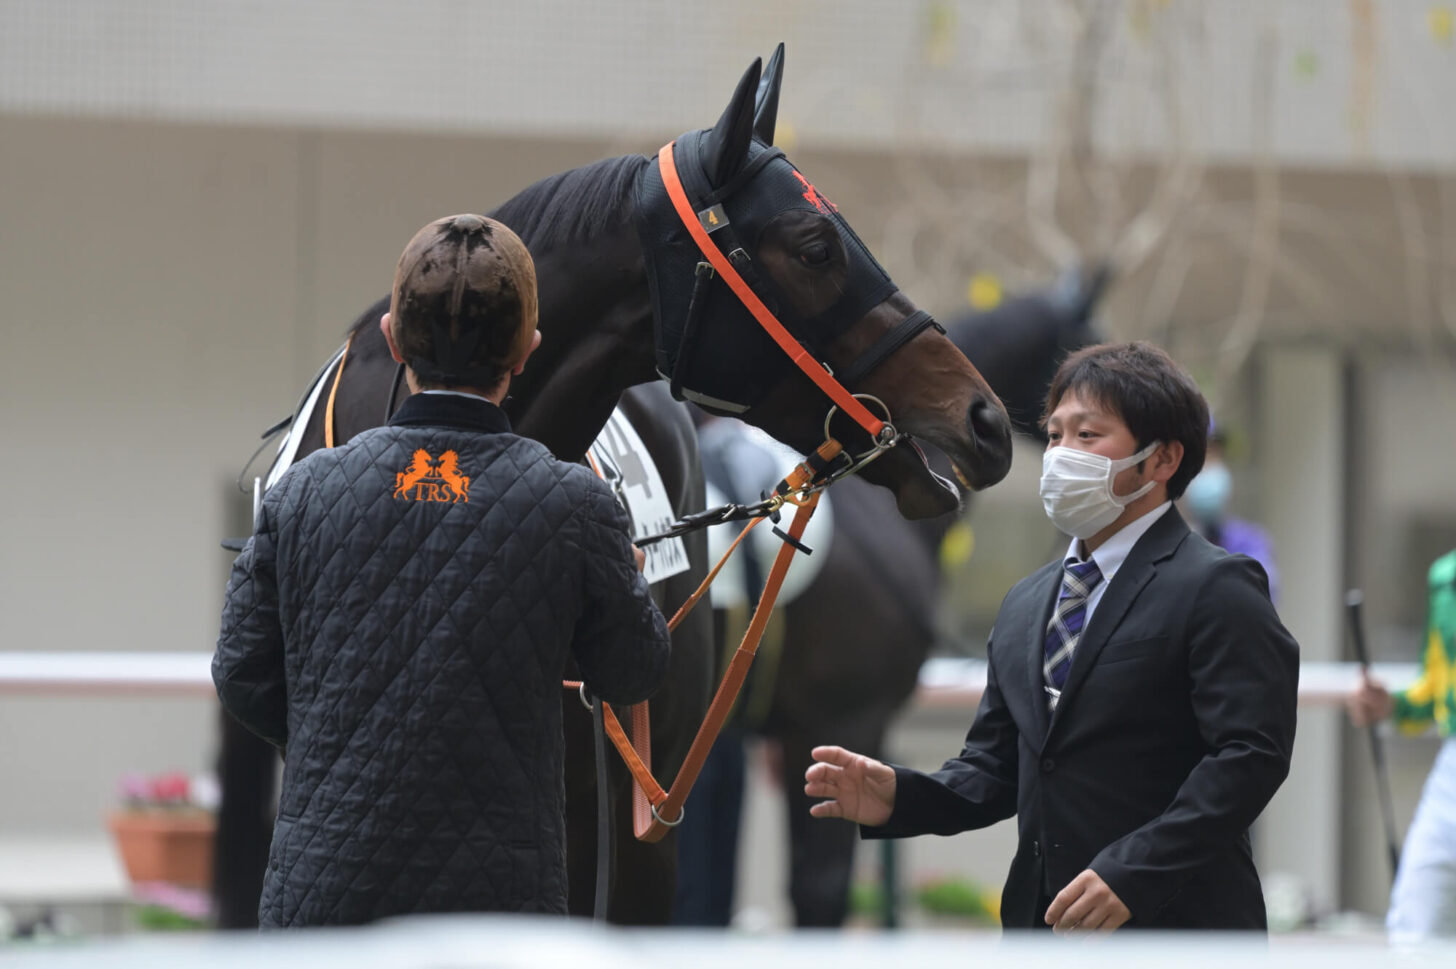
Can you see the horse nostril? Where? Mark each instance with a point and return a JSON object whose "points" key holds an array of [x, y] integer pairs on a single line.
{"points": [[988, 423]]}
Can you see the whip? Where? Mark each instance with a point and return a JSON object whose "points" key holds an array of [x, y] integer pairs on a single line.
{"points": [[1353, 600]]}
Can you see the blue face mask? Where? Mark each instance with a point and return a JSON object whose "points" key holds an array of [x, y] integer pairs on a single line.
{"points": [[1208, 493]]}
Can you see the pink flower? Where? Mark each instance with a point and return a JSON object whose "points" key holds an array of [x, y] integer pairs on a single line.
{"points": [[170, 788], [133, 788]]}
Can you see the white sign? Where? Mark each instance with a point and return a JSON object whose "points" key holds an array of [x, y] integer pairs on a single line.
{"points": [[622, 460]]}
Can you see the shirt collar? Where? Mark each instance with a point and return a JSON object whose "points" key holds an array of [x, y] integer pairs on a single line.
{"points": [[451, 409], [458, 393], [1112, 553]]}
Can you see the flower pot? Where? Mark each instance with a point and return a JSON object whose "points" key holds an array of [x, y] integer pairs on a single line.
{"points": [[166, 846]]}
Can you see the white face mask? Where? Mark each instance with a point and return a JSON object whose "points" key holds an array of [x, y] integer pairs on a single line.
{"points": [[1076, 488]]}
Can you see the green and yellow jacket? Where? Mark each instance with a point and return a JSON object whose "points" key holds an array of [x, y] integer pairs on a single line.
{"points": [[1433, 696]]}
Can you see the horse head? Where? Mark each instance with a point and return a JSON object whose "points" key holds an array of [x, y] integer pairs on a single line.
{"points": [[796, 252]]}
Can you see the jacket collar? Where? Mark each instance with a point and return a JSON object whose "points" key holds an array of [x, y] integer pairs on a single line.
{"points": [[467, 413]]}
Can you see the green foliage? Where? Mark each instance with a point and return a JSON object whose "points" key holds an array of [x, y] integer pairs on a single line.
{"points": [[951, 898], [868, 899], [160, 918], [959, 898]]}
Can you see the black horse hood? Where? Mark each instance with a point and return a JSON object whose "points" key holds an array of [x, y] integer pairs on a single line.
{"points": [[709, 346]]}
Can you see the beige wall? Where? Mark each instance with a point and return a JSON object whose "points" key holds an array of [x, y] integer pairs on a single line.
{"points": [[149, 279], [1304, 80]]}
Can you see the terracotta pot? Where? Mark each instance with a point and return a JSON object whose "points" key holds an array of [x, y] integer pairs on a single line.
{"points": [[166, 846]]}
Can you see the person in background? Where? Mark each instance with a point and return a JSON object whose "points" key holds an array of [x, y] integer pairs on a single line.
{"points": [[1207, 505], [1423, 899], [1140, 695], [401, 618]]}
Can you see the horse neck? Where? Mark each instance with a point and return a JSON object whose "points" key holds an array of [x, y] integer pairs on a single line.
{"points": [[596, 338]]}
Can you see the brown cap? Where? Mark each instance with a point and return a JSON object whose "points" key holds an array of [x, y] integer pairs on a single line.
{"points": [[463, 307]]}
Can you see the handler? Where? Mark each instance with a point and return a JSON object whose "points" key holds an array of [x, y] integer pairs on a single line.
{"points": [[1140, 698], [401, 617]]}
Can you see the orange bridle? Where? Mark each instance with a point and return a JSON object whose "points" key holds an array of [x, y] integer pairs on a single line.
{"points": [[802, 358]]}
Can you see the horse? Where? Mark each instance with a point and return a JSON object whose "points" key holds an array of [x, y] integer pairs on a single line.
{"points": [[627, 295], [842, 675]]}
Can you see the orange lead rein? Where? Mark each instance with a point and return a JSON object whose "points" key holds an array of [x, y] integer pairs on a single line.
{"points": [[655, 811]]}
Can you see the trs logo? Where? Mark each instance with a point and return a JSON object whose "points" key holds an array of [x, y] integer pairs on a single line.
{"points": [[429, 480]]}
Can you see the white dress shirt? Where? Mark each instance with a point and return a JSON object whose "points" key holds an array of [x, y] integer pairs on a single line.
{"points": [[458, 393], [1112, 553]]}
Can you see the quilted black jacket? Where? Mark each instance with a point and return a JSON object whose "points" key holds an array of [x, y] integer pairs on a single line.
{"points": [[399, 622]]}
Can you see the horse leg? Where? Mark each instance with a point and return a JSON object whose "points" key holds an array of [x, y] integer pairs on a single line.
{"points": [[246, 770], [708, 837], [643, 876], [821, 857]]}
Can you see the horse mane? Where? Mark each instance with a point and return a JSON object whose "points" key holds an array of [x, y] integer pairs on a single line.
{"points": [[557, 210], [572, 205]]}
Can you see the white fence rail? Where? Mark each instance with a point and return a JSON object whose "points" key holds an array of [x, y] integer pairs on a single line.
{"points": [[945, 684]]}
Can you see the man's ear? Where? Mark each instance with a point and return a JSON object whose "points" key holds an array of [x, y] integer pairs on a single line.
{"points": [[521, 364], [389, 338], [1166, 460]]}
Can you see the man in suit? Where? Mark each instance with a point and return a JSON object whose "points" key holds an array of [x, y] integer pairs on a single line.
{"points": [[1140, 697]]}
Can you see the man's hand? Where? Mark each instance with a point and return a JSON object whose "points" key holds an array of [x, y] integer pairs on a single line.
{"points": [[1086, 905], [859, 788], [1370, 703], [641, 558]]}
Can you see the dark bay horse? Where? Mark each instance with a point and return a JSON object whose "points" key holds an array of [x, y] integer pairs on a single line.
{"points": [[853, 641], [623, 301]]}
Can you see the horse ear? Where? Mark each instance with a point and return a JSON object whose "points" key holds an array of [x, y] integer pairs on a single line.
{"points": [[727, 146], [1078, 290], [766, 111]]}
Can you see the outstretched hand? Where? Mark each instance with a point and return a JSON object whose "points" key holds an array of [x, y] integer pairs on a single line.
{"points": [[859, 788]]}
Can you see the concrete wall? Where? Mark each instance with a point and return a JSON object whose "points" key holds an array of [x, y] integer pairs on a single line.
{"points": [[1300, 81]]}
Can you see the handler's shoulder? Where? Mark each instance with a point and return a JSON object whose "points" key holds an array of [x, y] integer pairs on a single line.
{"points": [[578, 481], [1034, 581], [1208, 568]]}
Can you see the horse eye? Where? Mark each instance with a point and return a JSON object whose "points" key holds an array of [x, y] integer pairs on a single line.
{"points": [[816, 254]]}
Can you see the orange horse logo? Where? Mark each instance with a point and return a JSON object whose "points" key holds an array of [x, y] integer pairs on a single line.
{"points": [[419, 468], [429, 480], [458, 483]]}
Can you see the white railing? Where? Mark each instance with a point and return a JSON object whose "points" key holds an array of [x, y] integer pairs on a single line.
{"points": [[946, 684], [106, 673]]}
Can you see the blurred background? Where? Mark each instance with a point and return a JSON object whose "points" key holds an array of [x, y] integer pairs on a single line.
{"points": [[197, 199]]}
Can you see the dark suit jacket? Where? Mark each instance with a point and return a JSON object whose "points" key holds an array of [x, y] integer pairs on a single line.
{"points": [[1173, 731]]}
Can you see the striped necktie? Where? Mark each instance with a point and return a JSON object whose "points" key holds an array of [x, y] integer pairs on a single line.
{"points": [[1065, 628]]}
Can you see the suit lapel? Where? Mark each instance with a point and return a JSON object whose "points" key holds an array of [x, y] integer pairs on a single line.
{"points": [[1160, 541]]}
